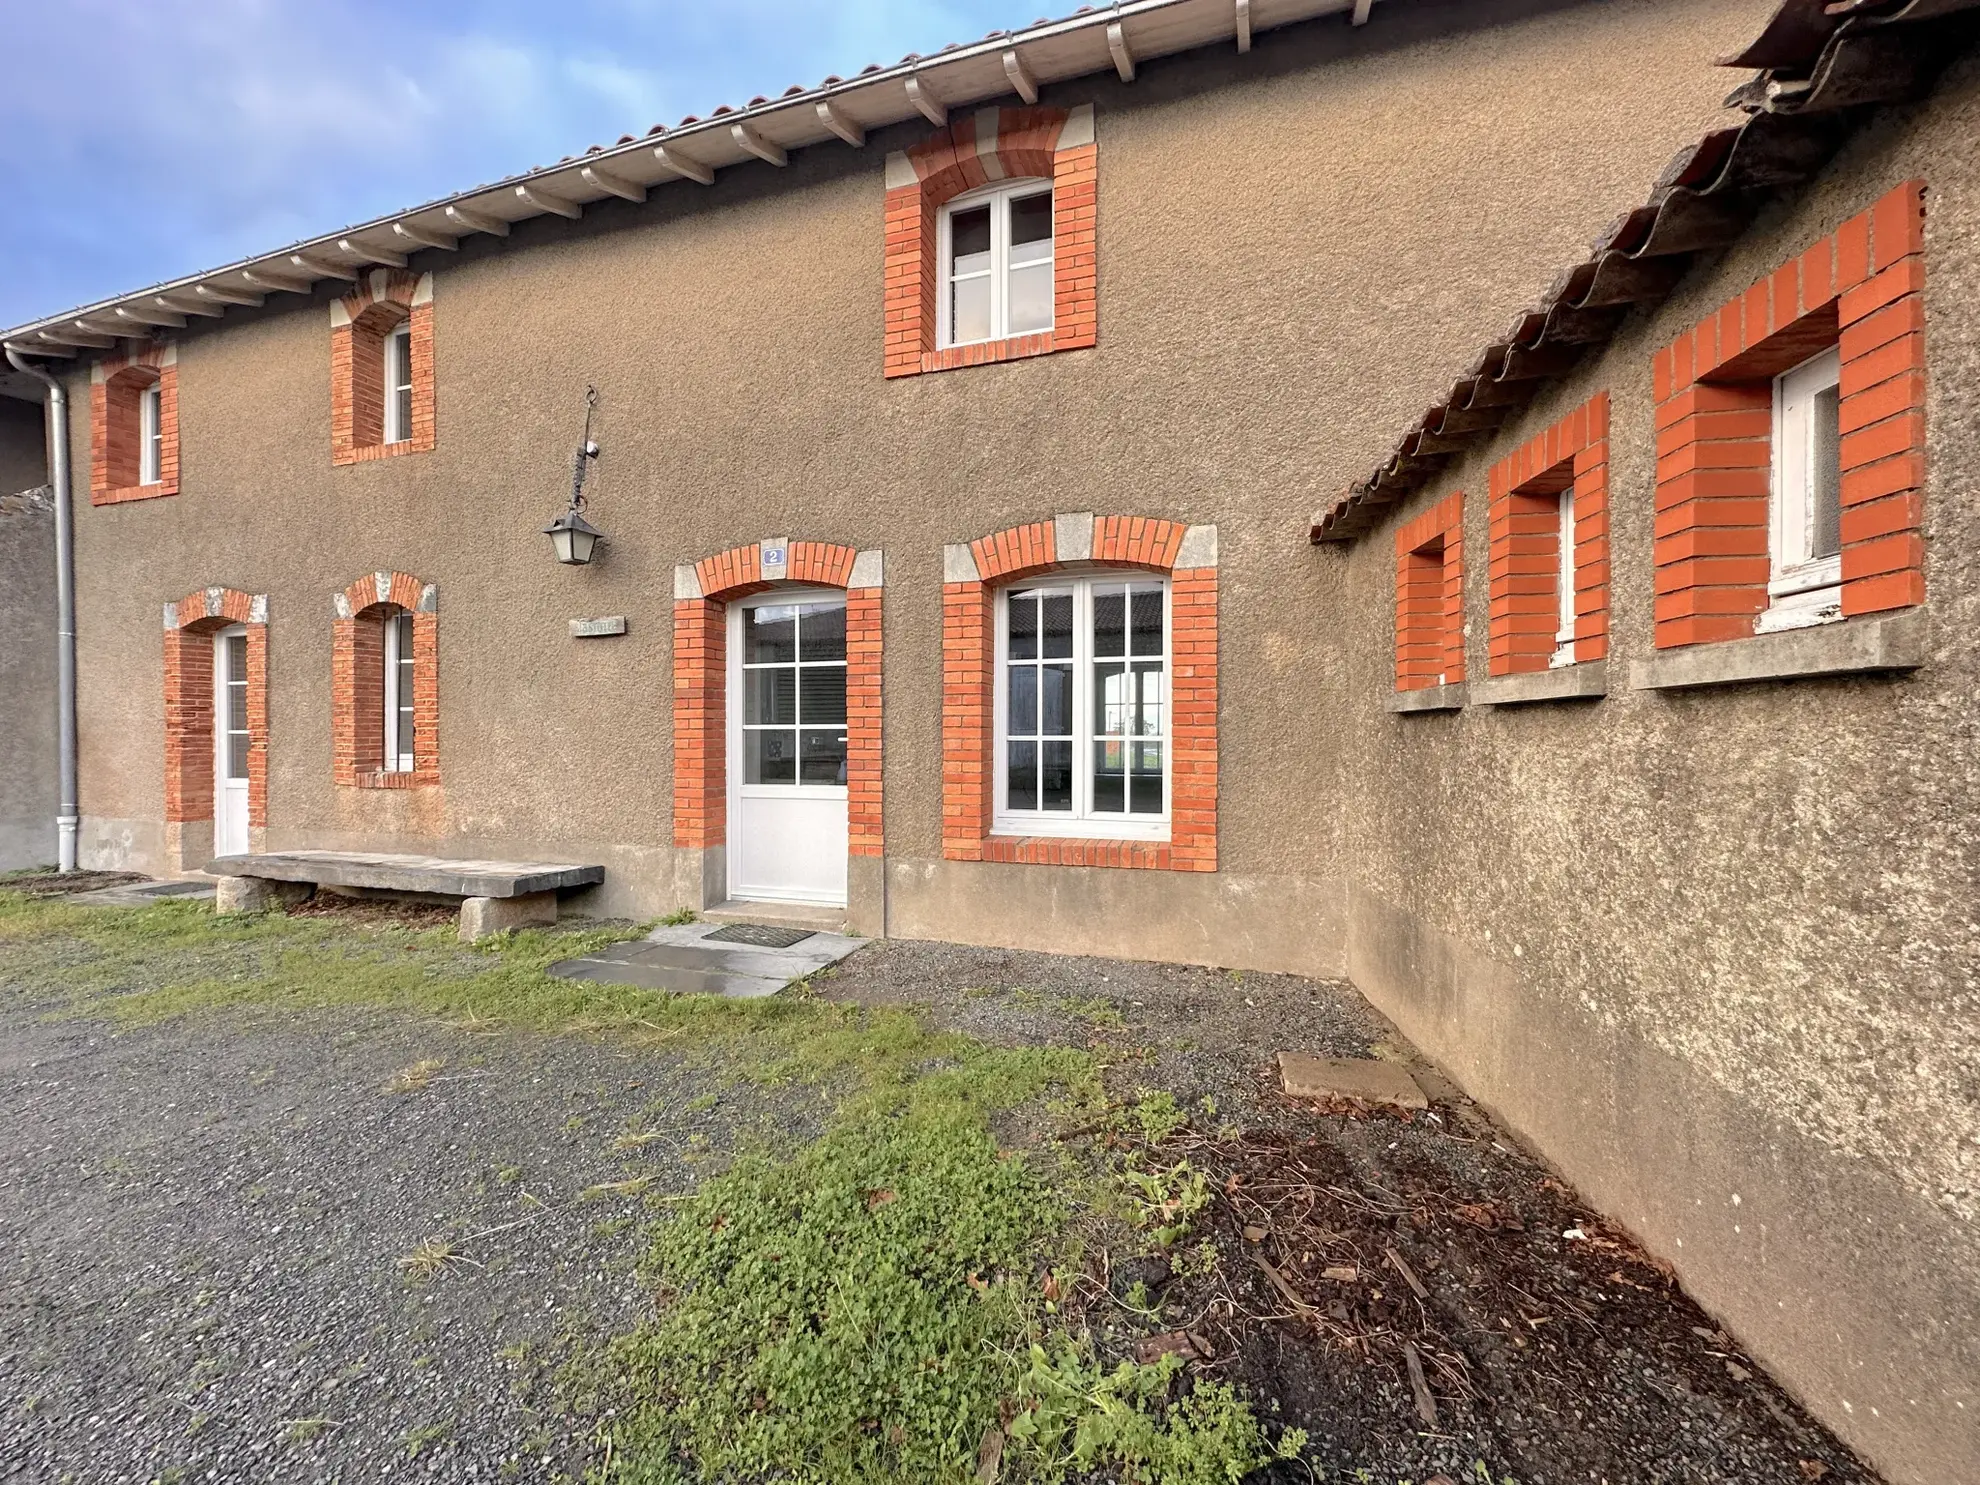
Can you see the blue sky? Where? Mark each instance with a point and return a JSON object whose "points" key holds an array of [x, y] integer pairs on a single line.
{"points": [[149, 138]]}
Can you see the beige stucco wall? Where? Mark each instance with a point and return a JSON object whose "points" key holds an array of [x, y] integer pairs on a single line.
{"points": [[1715, 953], [1297, 246]]}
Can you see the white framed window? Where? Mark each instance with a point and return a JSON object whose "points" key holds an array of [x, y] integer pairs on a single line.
{"points": [[1805, 527], [1564, 584], [400, 739], [1082, 707], [995, 248], [398, 384], [151, 435]]}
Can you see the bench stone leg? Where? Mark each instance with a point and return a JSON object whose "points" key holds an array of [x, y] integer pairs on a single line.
{"points": [[481, 916], [257, 894]]}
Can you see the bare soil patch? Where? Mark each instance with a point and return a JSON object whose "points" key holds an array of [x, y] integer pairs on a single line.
{"points": [[57, 884]]}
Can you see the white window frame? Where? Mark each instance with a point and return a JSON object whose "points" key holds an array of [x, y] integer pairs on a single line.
{"points": [[739, 725], [1082, 821], [1564, 584], [997, 197], [399, 750], [1802, 589], [151, 435], [398, 380]]}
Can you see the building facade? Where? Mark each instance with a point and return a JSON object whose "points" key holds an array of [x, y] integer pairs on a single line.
{"points": [[955, 480]]}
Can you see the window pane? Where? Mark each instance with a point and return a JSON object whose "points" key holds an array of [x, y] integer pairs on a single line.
{"points": [[770, 696], [1055, 775], [237, 753], [1825, 475], [822, 631], [1021, 776], [407, 743], [822, 694], [1057, 628], [1147, 610], [969, 310], [403, 399], [1109, 778], [1110, 698], [237, 708], [770, 757], [1023, 703], [769, 634], [1031, 227], [822, 757], [1055, 705], [1024, 626], [1150, 682], [1109, 621], [1145, 782], [1030, 306], [237, 661], [969, 240]]}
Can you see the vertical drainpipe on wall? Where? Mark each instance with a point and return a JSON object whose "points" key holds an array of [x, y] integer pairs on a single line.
{"points": [[68, 814]]}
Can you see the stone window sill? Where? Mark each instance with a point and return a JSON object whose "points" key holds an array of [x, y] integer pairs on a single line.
{"points": [[1447, 698], [122, 494], [1861, 646], [379, 779], [1587, 681]]}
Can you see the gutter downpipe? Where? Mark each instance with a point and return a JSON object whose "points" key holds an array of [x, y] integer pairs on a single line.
{"points": [[68, 815]]}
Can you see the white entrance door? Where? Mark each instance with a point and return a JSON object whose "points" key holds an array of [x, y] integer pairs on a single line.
{"points": [[230, 742], [787, 748]]}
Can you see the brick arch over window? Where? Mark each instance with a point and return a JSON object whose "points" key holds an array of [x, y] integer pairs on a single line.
{"points": [[357, 680], [190, 625], [972, 573], [702, 593], [989, 145], [359, 323], [117, 383]]}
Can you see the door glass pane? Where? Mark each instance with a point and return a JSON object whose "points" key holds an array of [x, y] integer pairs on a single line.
{"points": [[1055, 703], [1147, 610], [1109, 777], [770, 757], [1030, 305], [1825, 475], [822, 694], [1031, 228], [1109, 621], [1021, 777], [822, 756], [1024, 626], [237, 682], [1056, 630], [1055, 775], [769, 634], [822, 631], [769, 696], [237, 753]]}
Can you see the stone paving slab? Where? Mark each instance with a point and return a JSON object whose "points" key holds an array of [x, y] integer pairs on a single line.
{"points": [[444, 875], [1366, 1078], [143, 894], [680, 958]]}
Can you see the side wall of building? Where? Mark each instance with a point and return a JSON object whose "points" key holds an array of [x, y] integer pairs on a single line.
{"points": [[27, 640], [1714, 951], [1273, 298]]}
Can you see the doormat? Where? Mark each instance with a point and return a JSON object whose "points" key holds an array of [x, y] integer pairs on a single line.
{"points": [[758, 935]]}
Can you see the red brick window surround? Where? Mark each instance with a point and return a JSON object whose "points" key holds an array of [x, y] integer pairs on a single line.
{"points": [[190, 625], [358, 649], [988, 146], [1430, 597], [120, 425], [972, 575], [361, 324], [1861, 291], [702, 593], [1549, 546]]}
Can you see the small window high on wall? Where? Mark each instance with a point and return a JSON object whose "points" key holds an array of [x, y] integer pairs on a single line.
{"points": [[996, 254], [1082, 708], [398, 383], [151, 434], [1805, 537]]}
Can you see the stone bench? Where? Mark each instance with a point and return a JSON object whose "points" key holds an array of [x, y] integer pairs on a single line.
{"points": [[495, 895]]}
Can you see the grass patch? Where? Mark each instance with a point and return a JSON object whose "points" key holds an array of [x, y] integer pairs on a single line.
{"points": [[879, 1305]]}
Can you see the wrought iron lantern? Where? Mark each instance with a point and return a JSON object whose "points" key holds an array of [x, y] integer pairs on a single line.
{"points": [[572, 537]]}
